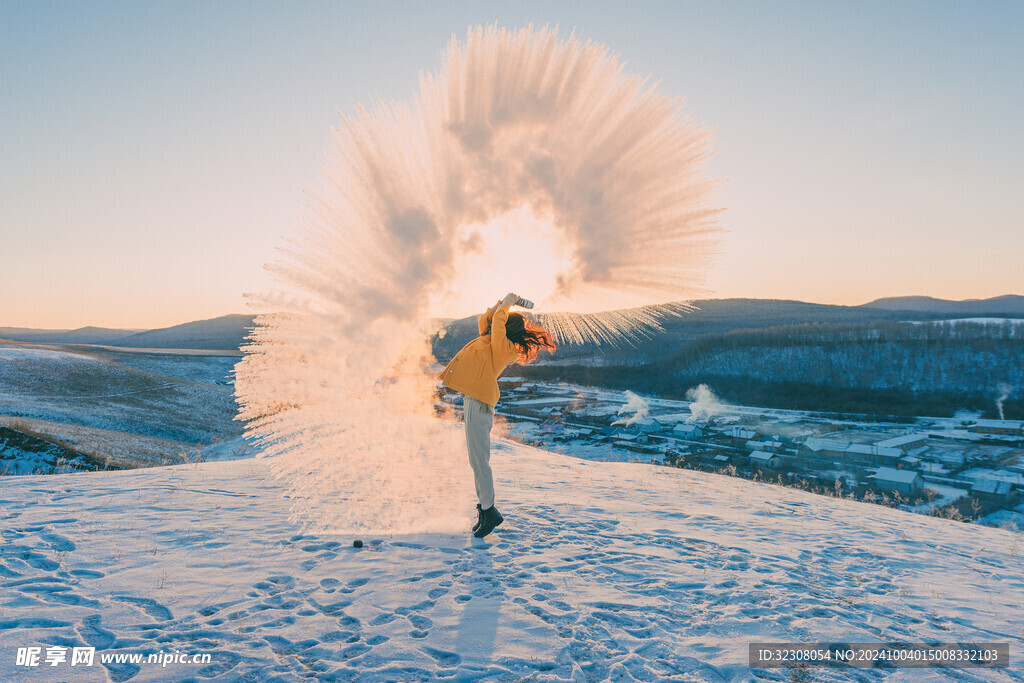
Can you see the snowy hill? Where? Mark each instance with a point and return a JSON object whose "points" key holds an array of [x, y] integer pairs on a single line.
{"points": [[223, 333], [602, 571], [121, 407]]}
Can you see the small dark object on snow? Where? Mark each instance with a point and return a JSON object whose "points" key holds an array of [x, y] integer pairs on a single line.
{"points": [[357, 544]]}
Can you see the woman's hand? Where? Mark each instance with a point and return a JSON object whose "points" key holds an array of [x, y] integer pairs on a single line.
{"points": [[510, 299]]}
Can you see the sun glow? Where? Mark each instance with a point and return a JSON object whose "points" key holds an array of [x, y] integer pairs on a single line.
{"points": [[516, 252]]}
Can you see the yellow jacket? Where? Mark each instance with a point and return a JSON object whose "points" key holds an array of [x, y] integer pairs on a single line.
{"points": [[474, 370]]}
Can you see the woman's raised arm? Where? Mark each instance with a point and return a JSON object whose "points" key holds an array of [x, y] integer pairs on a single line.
{"points": [[484, 321]]}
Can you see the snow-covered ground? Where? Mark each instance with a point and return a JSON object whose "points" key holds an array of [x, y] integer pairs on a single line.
{"points": [[133, 408], [1008, 519], [111, 447], [602, 571], [1014, 478], [181, 398], [943, 496]]}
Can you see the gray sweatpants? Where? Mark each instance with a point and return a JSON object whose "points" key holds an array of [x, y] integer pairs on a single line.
{"points": [[479, 419]]}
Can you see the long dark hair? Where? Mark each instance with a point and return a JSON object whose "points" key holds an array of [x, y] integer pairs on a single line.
{"points": [[528, 336]]}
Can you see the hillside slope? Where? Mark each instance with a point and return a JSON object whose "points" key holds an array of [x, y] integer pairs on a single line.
{"points": [[184, 398], [602, 571], [224, 333]]}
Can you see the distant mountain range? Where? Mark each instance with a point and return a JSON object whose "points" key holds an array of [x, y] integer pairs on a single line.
{"points": [[83, 335], [217, 334], [718, 316], [714, 315], [1009, 304]]}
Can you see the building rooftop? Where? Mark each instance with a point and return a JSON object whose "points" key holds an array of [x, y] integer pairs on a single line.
{"points": [[819, 444], [897, 441], [769, 443], [999, 488], [762, 456], [891, 474], [683, 427], [1000, 424], [869, 449]]}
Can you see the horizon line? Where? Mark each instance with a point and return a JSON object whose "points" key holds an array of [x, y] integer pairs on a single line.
{"points": [[137, 330]]}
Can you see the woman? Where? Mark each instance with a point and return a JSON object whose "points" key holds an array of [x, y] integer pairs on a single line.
{"points": [[504, 337]]}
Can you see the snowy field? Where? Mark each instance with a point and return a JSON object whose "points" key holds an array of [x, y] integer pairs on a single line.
{"points": [[602, 571], [135, 408]]}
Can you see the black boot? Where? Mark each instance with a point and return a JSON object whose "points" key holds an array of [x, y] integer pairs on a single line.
{"points": [[479, 517], [489, 519]]}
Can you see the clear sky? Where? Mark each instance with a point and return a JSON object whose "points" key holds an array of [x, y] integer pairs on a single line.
{"points": [[153, 154]]}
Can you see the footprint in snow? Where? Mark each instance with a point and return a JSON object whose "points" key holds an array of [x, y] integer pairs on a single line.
{"points": [[93, 634], [150, 607], [420, 622], [382, 619], [87, 574], [58, 542], [443, 657]]}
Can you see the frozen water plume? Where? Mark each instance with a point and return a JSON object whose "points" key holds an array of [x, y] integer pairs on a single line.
{"points": [[527, 162]]}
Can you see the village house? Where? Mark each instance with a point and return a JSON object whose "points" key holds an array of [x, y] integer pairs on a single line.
{"points": [[552, 426], [740, 434], [1001, 427], [767, 445], [992, 490], [860, 455], [904, 481], [648, 424], [630, 437], [688, 431], [763, 459]]}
